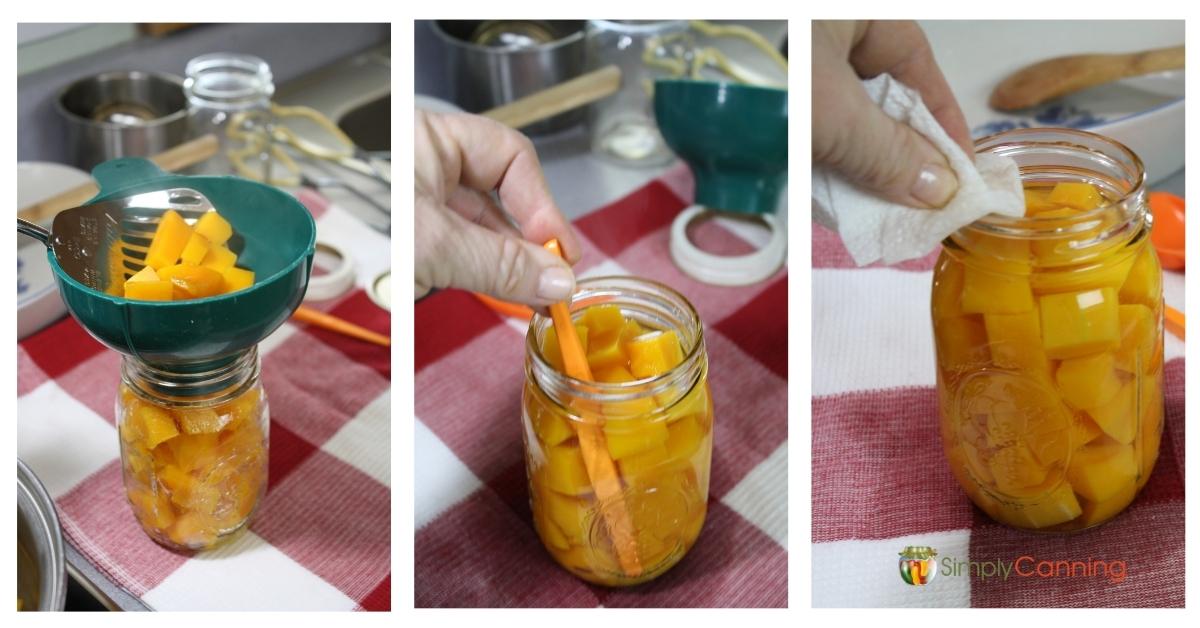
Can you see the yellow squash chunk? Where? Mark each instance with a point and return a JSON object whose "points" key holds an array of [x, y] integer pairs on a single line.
{"points": [[195, 250], [551, 350], [1050, 447], [192, 282], [1075, 195], [214, 228], [145, 274], [551, 429], [1016, 341], [695, 402], [194, 451], [153, 510], [193, 529], [602, 319], [1015, 468], [150, 291], [244, 409], [1118, 417], [630, 329], [605, 350], [1099, 471], [990, 292], [654, 353], [614, 375], [1000, 254], [1144, 282], [1138, 334], [219, 258], [1088, 382], [641, 465], [1083, 430], [1099, 512], [1106, 271], [684, 438], [201, 420], [170, 237], [632, 437], [961, 342], [565, 471], [1057, 506], [1051, 250], [236, 279], [1037, 201], [1079, 323], [632, 407], [548, 531], [157, 424], [569, 515]]}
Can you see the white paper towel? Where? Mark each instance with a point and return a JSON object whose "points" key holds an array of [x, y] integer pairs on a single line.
{"points": [[873, 228]]}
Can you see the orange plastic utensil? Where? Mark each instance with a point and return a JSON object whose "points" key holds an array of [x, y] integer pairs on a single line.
{"points": [[515, 310], [601, 470], [1173, 321], [335, 324], [1167, 234]]}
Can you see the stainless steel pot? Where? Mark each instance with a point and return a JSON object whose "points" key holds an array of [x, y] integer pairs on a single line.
{"points": [[494, 62], [39, 536], [122, 114]]}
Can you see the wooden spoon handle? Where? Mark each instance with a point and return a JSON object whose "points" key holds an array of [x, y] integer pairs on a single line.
{"points": [[1052, 78], [175, 158], [579, 91]]}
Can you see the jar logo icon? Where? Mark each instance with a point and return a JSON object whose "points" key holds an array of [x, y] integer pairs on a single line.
{"points": [[917, 565]]}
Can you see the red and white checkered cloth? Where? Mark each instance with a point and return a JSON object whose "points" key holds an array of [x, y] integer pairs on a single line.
{"points": [[321, 539], [475, 541], [881, 481]]}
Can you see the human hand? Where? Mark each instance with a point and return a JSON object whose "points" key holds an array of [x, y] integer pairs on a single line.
{"points": [[851, 133], [463, 239]]}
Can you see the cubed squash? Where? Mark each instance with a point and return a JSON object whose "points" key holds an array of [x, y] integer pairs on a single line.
{"points": [[654, 353], [219, 258], [548, 531], [1088, 382], [236, 279], [630, 329], [201, 420], [195, 250], [1138, 334], [644, 464], [1144, 282], [1101, 470], [194, 451], [145, 274], [150, 291], [989, 292], [214, 228], [565, 471], [1076, 195], [614, 375], [961, 342], [684, 438], [1016, 341], [569, 515], [603, 319], [1056, 506], [633, 436], [171, 235], [1118, 417], [1083, 430], [550, 427], [1076, 324], [605, 349], [1099, 512], [1109, 271], [192, 282], [1038, 201], [1015, 468], [157, 424], [947, 288], [153, 510], [194, 530]]}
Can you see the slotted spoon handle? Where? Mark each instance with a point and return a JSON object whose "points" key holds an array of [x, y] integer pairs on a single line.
{"points": [[33, 230]]}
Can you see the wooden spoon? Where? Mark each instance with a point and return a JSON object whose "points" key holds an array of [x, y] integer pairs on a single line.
{"points": [[1046, 80]]}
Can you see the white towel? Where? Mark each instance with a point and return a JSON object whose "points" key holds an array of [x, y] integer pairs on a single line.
{"points": [[874, 229]]}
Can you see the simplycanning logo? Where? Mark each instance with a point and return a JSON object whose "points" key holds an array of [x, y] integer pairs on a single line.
{"points": [[919, 567]]}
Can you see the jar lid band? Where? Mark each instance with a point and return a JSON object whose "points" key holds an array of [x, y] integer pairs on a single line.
{"points": [[727, 270]]}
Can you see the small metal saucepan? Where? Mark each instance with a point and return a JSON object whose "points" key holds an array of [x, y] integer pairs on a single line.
{"points": [[123, 114], [41, 567]]}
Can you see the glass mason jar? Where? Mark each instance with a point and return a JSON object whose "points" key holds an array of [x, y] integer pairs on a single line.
{"points": [[219, 86], [194, 445], [657, 431], [1048, 331]]}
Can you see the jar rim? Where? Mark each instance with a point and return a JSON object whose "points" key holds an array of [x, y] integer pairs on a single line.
{"points": [[1060, 137], [691, 367], [192, 385]]}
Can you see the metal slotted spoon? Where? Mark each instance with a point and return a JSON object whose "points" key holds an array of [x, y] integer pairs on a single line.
{"points": [[83, 238]]}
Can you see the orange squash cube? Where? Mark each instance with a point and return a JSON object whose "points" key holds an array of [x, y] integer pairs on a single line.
{"points": [[605, 349], [1037, 201], [961, 342], [1076, 195], [1088, 382], [195, 250], [644, 464], [602, 319], [169, 239], [565, 470], [551, 429], [1118, 416], [194, 451], [631, 437], [654, 353], [1144, 282], [214, 228], [1076, 324], [1098, 472], [236, 279], [1058, 505], [201, 420], [1016, 341], [219, 258], [157, 424], [1138, 333], [988, 292], [192, 282]]}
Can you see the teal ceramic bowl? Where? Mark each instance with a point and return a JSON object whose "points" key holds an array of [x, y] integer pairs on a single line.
{"points": [[734, 137], [279, 236]]}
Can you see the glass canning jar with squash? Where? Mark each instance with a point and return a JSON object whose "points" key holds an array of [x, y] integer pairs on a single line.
{"points": [[648, 414], [1048, 334], [194, 443]]}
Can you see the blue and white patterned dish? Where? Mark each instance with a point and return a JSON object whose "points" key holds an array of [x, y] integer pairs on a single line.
{"points": [[1144, 113]]}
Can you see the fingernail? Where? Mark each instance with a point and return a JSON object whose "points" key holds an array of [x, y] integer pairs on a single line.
{"points": [[555, 284], [935, 185]]}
